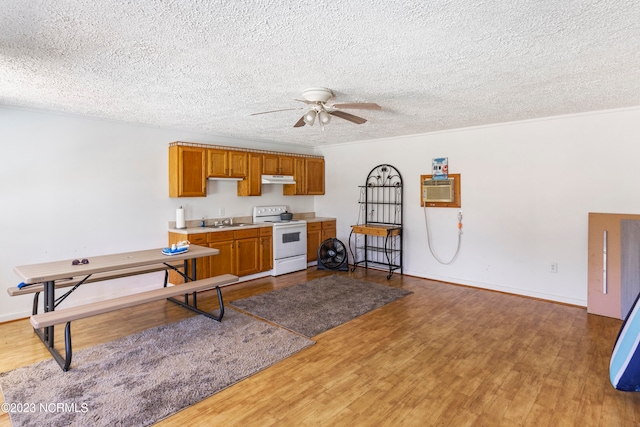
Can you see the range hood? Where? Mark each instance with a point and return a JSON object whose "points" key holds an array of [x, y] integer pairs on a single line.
{"points": [[277, 179]]}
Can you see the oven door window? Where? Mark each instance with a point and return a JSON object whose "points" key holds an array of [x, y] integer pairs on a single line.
{"points": [[291, 237]]}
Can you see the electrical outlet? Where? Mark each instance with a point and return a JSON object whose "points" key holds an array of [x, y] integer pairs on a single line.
{"points": [[220, 211], [553, 267]]}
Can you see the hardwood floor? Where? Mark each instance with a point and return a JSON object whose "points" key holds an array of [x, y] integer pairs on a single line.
{"points": [[444, 356]]}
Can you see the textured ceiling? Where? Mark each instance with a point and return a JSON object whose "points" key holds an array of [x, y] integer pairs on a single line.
{"points": [[205, 66]]}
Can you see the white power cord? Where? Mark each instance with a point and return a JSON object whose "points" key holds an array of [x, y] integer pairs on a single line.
{"points": [[426, 222]]}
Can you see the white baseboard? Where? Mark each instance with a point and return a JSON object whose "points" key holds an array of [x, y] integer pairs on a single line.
{"points": [[502, 288]]}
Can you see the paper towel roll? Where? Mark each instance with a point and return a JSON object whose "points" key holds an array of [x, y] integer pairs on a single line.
{"points": [[180, 218]]}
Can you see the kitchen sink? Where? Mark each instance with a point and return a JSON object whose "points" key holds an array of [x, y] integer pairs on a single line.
{"points": [[228, 225]]}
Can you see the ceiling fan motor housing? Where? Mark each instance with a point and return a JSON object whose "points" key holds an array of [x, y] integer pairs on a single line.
{"points": [[317, 94]]}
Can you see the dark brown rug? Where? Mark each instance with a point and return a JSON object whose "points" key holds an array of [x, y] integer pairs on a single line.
{"points": [[140, 379], [321, 304]]}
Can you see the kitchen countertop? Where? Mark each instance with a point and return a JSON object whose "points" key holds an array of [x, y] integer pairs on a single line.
{"points": [[213, 229], [319, 219]]}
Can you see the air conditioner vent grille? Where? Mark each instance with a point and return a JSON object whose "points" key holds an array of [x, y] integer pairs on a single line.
{"points": [[435, 182]]}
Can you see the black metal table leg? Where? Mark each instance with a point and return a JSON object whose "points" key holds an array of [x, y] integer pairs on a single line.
{"points": [[49, 305], [67, 347], [194, 307]]}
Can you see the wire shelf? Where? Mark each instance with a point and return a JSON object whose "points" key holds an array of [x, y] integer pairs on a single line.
{"points": [[380, 203]]}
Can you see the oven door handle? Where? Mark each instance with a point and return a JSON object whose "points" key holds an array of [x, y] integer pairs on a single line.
{"points": [[297, 225]]}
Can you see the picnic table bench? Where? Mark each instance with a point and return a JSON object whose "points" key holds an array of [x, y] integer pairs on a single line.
{"points": [[47, 277]]}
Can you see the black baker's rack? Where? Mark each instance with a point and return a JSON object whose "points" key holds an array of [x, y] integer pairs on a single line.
{"points": [[380, 204]]}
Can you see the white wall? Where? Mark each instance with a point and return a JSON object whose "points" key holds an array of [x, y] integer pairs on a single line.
{"points": [[527, 189], [73, 187]]}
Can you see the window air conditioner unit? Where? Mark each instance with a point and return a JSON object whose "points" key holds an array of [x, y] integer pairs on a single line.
{"points": [[438, 190]]}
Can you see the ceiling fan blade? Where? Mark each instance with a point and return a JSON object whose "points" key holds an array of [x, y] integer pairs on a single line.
{"points": [[300, 123], [360, 106], [355, 119], [274, 111]]}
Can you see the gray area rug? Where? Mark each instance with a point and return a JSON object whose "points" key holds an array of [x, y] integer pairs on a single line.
{"points": [[321, 304], [143, 378]]}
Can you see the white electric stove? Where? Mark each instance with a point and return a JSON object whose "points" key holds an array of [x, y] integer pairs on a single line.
{"points": [[289, 239]]}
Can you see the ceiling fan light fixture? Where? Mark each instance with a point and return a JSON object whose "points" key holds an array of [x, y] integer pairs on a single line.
{"points": [[316, 99], [324, 117], [310, 117]]}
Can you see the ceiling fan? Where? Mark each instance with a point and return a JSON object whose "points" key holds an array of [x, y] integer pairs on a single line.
{"points": [[317, 98]]}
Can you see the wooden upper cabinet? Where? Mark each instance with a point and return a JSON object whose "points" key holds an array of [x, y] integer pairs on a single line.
{"points": [[226, 163], [314, 168], [252, 184], [187, 171], [270, 164], [287, 165], [308, 173], [237, 164], [300, 187], [276, 164], [217, 163], [190, 166]]}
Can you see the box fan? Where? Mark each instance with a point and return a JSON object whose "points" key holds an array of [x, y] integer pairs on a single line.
{"points": [[332, 255]]}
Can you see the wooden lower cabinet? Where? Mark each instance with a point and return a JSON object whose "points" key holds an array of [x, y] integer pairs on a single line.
{"points": [[247, 252], [314, 234], [223, 263], [202, 264], [266, 249], [328, 229], [239, 252], [318, 232], [242, 252]]}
